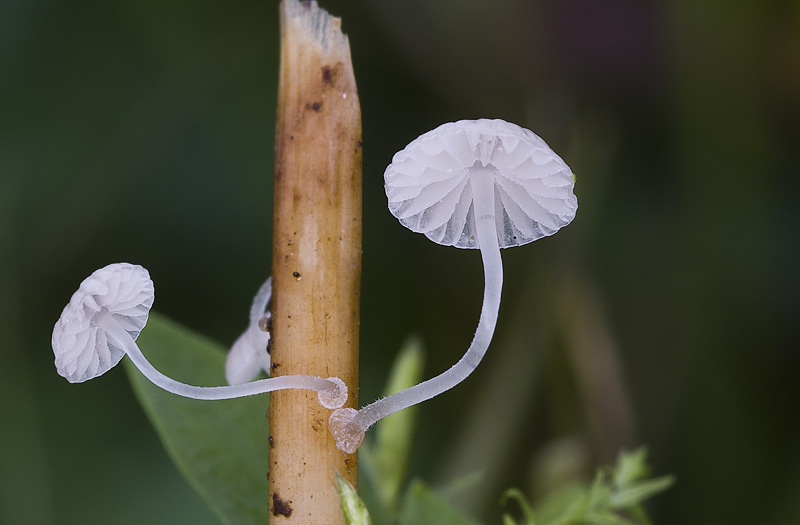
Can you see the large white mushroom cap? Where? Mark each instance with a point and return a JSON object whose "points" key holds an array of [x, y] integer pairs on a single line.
{"points": [[429, 191], [82, 349]]}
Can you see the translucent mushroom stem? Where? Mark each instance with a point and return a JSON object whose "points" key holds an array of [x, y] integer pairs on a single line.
{"points": [[332, 392], [349, 426]]}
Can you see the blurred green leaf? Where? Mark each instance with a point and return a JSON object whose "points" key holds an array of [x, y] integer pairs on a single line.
{"points": [[614, 489], [369, 491], [627, 480], [458, 487], [599, 492], [384, 461], [600, 518], [631, 466], [639, 492], [390, 453], [354, 510], [422, 506], [527, 510], [219, 446], [561, 503]]}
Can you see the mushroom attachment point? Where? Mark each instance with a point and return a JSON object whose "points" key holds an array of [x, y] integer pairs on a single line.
{"points": [[482, 184], [105, 316], [249, 354]]}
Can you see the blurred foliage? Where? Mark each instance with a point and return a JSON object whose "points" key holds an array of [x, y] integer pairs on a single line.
{"points": [[218, 446], [615, 497], [385, 459], [142, 131]]}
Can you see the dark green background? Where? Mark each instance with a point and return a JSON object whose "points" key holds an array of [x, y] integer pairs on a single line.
{"points": [[666, 314]]}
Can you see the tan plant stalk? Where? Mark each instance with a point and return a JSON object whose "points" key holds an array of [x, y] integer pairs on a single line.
{"points": [[316, 259]]}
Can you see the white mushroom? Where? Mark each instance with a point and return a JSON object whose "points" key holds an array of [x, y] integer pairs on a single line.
{"points": [[249, 354], [103, 319], [484, 184]]}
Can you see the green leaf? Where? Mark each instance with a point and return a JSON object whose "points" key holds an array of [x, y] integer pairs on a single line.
{"points": [[639, 492], [561, 504], [461, 486], [390, 453], [354, 510], [631, 467], [369, 489], [621, 488], [601, 518], [422, 506], [599, 491], [221, 447], [522, 501]]}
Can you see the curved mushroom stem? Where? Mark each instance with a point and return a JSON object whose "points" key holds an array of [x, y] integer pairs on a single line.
{"points": [[332, 392], [347, 425]]}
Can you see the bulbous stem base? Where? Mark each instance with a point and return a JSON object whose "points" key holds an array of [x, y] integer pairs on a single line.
{"points": [[347, 435]]}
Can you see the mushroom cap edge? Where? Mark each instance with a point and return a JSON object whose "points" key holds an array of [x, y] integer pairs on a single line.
{"points": [[82, 349], [429, 192]]}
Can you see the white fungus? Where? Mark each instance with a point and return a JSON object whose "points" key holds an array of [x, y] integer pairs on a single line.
{"points": [[249, 354], [103, 319], [485, 184]]}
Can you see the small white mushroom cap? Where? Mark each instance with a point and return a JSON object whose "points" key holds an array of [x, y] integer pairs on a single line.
{"points": [[83, 350], [429, 191]]}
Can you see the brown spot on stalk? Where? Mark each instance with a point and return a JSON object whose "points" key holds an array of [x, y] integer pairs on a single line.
{"points": [[280, 507]]}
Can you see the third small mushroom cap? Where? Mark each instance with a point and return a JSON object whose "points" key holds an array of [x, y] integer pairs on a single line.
{"points": [[249, 354], [485, 184]]}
